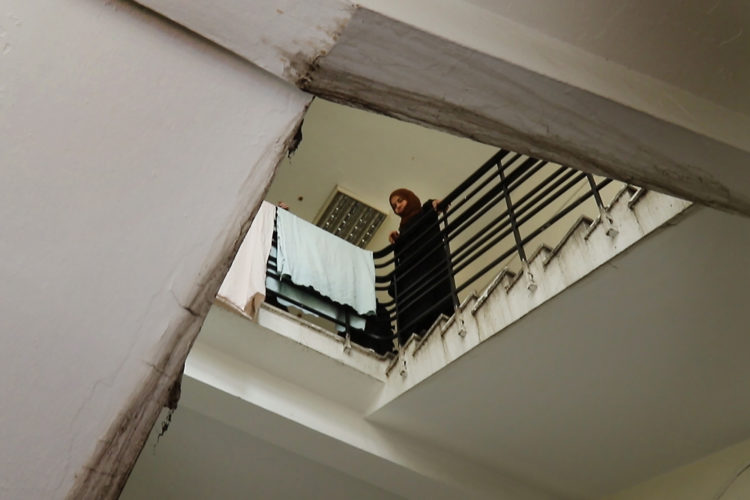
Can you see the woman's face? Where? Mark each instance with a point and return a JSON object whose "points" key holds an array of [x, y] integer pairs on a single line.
{"points": [[398, 204]]}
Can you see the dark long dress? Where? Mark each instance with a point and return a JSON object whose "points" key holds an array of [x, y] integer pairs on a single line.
{"points": [[422, 277]]}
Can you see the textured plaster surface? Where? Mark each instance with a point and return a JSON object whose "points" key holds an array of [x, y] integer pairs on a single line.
{"points": [[130, 167], [281, 36]]}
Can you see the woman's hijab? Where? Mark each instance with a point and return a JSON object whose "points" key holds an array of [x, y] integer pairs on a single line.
{"points": [[413, 205]]}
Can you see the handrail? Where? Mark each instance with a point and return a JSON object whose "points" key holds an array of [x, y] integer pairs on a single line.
{"points": [[486, 167]]}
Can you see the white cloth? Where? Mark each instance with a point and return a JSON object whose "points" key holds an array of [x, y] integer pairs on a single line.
{"points": [[310, 256], [317, 305], [245, 283]]}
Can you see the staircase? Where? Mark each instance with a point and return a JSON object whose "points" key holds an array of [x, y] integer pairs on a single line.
{"points": [[588, 244]]}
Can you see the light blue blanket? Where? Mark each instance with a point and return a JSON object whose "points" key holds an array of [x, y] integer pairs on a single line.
{"points": [[313, 302], [309, 256]]}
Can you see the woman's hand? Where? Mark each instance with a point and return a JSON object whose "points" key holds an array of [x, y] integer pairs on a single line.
{"points": [[393, 237], [435, 204]]}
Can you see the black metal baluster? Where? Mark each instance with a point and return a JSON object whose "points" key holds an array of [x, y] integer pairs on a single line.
{"points": [[348, 341], [449, 267], [604, 217], [531, 284]]}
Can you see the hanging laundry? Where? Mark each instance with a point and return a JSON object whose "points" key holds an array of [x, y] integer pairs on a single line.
{"points": [[245, 283], [317, 305], [310, 256]]}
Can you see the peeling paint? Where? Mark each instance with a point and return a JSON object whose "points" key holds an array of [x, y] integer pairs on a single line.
{"points": [[299, 65], [267, 35]]}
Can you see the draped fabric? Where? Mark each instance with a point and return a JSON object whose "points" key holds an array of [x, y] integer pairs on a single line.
{"points": [[245, 283], [317, 305], [311, 257]]}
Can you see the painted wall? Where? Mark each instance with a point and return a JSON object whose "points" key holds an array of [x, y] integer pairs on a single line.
{"points": [[131, 154], [705, 479]]}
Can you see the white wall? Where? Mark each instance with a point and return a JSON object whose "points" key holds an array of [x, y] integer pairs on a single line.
{"points": [[130, 154], [702, 480]]}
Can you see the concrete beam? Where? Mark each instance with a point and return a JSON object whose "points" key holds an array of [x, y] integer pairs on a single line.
{"points": [[393, 68], [458, 68]]}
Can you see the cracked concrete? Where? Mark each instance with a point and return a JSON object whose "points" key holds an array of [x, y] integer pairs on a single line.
{"points": [[111, 464]]}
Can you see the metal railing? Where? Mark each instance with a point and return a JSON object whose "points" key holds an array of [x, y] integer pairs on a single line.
{"points": [[485, 223]]}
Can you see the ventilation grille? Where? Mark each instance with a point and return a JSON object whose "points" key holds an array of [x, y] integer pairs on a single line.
{"points": [[350, 219]]}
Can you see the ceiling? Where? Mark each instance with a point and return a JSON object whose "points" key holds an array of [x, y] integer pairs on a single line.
{"points": [[700, 46]]}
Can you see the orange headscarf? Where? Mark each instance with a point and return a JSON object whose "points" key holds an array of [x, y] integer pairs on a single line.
{"points": [[413, 205]]}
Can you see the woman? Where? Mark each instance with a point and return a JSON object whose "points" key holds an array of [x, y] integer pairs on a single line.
{"points": [[422, 284]]}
